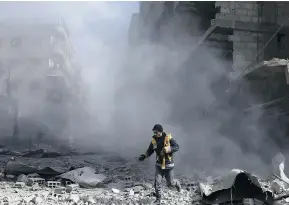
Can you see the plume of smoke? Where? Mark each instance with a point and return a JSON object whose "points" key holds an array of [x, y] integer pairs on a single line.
{"points": [[133, 88]]}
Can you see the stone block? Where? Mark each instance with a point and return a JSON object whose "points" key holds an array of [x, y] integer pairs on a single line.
{"points": [[220, 16], [251, 12], [222, 3], [22, 178], [35, 180], [250, 57], [59, 190], [53, 184], [72, 187], [249, 5], [253, 45], [35, 187], [245, 18], [127, 178], [238, 57], [73, 198], [241, 38], [223, 23], [227, 10], [230, 17], [256, 19], [277, 186], [239, 45], [244, 52], [116, 191], [19, 185]]}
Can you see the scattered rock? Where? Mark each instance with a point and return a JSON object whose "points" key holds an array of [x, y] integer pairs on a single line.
{"points": [[35, 187], [277, 186], [59, 190], [88, 199], [20, 185], [37, 200], [137, 189], [71, 187], [29, 198], [131, 192], [73, 198], [22, 178], [116, 191], [147, 186]]}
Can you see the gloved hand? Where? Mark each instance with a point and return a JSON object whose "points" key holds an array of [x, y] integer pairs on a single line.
{"points": [[142, 157]]}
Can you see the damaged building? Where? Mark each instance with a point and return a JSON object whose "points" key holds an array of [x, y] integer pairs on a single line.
{"points": [[251, 37], [40, 74]]}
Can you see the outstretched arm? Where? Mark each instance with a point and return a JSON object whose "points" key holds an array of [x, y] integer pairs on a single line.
{"points": [[150, 150], [148, 153]]}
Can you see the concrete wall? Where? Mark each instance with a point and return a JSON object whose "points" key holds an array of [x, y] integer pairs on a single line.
{"points": [[245, 43], [254, 23]]}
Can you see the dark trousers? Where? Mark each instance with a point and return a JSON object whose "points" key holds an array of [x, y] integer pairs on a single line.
{"points": [[169, 176]]}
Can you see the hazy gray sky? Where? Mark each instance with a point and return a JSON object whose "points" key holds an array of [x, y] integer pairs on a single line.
{"points": [[104, 22]]}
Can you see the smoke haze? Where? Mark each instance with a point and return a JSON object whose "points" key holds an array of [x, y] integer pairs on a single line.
{"points": [[129, 89]]}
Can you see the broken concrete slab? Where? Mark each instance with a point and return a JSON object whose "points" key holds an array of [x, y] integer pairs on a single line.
{"points": [[277, 186], [220, 189], [85, 177], [71, 187], [20, 185], [116, 191], [22, 178]]}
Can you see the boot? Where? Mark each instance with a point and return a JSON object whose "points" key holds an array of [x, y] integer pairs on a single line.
{"points": [[157, 201], [178, 186]]}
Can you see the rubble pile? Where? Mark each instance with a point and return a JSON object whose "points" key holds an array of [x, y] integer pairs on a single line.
{"points": [[78, 180], [53, 192], [101, 180]]}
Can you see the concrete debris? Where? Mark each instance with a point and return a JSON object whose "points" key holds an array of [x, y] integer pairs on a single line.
{"points": [[116, 191], [137, 189], [22, 178], [85, 177], [19, 184], [129, 184], [71, 187], [277, 186], [131, 192]]}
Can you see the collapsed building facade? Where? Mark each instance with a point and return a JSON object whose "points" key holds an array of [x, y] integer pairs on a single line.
{"points": [[245, 35], [239, 29], [40, 75]]}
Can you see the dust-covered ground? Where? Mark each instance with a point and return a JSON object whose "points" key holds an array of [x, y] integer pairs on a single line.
{"points": [[128, 182]]}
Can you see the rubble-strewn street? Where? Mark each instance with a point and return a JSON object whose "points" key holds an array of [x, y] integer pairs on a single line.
{"points": [[123, 182], [99, 179], [142, 103]]}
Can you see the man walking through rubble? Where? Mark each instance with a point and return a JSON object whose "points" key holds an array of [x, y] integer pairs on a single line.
{"points": [[164, 146]]}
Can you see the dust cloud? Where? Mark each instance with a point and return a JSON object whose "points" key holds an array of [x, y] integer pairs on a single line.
{"points": [[131, 88]]}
